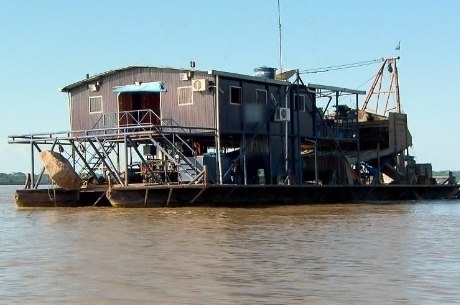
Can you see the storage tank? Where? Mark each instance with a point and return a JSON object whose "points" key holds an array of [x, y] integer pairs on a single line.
{"points": [[266, 72]]}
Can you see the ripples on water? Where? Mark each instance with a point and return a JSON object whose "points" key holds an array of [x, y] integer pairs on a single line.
{"points": [[325, 254]]}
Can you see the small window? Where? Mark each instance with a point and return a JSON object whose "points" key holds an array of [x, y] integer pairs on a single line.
{"points": [[95, 104], [261, 96], [184, 96], [235, 95], [299, 101]]}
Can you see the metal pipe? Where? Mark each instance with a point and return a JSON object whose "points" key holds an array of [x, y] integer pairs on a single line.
{"points": [[32, 173], [316, 164], [245, 172], [219, 159], [316, 159], [298, 163], [358, 157], [286, 141], [378, 162], [126, 160], [69, 104]]}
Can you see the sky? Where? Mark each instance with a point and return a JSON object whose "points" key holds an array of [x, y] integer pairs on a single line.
{"points": [[48, 44]]}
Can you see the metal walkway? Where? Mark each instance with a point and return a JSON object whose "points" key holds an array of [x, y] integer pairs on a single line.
{"points": [[98, 152]]}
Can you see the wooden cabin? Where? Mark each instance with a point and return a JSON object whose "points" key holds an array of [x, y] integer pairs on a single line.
{"points": [[259, 124], [241, 112]]}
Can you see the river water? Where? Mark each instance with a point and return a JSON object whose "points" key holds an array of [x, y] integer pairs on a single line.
{"points": [[401, 253]]}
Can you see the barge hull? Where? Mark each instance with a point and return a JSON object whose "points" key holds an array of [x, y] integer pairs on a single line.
{"points": [[44, 198], [249, 196], [137, 196]]}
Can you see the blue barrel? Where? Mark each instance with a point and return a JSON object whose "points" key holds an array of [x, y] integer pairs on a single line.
{"points": [[266, 72]]}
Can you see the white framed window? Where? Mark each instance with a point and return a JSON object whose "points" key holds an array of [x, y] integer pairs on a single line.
{"points": [[236, 96], [95, 104], [184, 96], [299, 101], [261, 96]]}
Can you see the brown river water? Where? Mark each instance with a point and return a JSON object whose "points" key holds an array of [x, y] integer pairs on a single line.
{"points": [[399, 253]]}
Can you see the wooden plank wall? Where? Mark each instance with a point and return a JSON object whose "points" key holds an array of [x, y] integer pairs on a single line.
{"points": [[199, 114]]}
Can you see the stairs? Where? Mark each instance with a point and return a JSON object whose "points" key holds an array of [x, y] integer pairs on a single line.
{"points": [[94, 154]]}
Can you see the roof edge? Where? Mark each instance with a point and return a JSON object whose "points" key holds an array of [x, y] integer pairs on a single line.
{"points": [[249, 77], [109, 72]]}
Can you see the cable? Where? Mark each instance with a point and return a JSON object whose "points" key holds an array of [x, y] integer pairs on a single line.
{"points": [[341, 67]]}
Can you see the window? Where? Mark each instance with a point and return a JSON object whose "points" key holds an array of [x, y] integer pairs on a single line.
{"points": [[261, 96], [184, 96], [95, 104], [299, 101], [235, 95]]}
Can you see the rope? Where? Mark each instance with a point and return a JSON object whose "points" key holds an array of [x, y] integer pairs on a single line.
{"points": [[53, 198]]}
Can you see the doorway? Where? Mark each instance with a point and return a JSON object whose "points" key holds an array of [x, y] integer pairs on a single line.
{"points": [[139, 109]]}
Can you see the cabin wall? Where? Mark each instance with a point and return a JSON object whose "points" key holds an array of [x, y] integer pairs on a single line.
{"points": [[81, 118], [266, 154], [252, 115], [200, 113], [258, 160], [302, 114], [277, 159]]}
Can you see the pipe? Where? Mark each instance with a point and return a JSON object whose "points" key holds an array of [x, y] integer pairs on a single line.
{"points": [[219, 159], [316, 159], [32, 173], [126, 159], [286, 142]]}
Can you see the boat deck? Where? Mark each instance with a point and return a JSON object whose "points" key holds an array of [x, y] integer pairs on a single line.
{"points": [[229, 195]]}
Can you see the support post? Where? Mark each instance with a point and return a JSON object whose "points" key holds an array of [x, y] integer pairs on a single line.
{"points": [[218, 157], [358, 145], [286, 142], [378, 162], [126, 159], [245, 169], [316, 163], [32, 172], [315, 142]]}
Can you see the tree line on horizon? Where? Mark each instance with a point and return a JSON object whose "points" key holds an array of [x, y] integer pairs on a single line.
{"points": [[19, 178]]}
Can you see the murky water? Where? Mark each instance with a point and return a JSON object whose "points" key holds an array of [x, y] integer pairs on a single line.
{"points": [[338, 254]]}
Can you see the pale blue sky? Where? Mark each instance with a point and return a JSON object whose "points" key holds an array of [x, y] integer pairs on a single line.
{"points": [[47, 44]]}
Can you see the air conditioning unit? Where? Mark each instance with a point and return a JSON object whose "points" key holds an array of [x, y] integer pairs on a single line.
{"points": [[93, 87], [200, 85], [282, 114], [184, 76]]}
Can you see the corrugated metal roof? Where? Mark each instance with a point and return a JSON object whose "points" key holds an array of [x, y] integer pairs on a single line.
{"points": [[336, 89], [249, 77], [110, 72]]}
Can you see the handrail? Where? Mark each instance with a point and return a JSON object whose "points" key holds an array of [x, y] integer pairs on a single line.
{"points": [[105, 133]]}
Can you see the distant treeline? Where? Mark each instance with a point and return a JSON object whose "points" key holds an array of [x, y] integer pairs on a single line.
{"points": [[456, 174], [19, 178]]}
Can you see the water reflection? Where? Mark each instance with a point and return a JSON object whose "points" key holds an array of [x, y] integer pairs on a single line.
{"points": [[324, 254]]}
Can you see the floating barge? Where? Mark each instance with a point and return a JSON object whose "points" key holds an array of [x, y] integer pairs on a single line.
{"points": [[156, 137]]}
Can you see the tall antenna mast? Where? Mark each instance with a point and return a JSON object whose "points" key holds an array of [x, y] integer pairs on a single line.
{"points": [[279, 29]]}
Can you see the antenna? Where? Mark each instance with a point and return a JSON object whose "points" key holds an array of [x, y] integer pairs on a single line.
{"points": [[279, 29]]}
